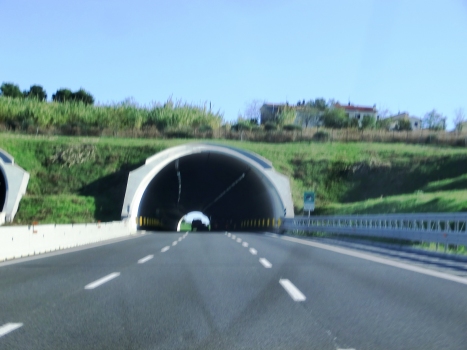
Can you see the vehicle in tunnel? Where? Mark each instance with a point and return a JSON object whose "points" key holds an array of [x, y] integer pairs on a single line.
{"points": [[199, 225]]}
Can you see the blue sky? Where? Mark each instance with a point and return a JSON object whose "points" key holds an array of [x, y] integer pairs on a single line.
{"points": [[402, 55]]}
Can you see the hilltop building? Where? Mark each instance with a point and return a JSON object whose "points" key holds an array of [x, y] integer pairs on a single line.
{"points": [[357, 112], [414, 121], [269, 112]]}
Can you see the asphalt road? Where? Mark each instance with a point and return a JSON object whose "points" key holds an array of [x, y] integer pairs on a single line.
{"points": [[216, 291]]}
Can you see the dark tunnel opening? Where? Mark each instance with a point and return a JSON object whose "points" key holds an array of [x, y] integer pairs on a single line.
{"points": [[231, 192], [2, 190]]}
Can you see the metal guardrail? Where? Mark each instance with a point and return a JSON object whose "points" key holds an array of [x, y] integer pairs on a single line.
{"points": [[445, 228]]}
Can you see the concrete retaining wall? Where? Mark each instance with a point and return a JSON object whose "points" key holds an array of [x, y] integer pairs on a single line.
{"points": [[22, 241]]}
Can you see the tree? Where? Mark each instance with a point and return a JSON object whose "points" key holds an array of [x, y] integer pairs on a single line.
{"points": [[320, 104], [62, 95], [335, 118], [404, 124], [383, 123], [11, 90], [83, 96], [286, 116], [434, 120], [253, 110], [384, 113], [459, 119], [309, 115], [37, 92], [368, 122]]}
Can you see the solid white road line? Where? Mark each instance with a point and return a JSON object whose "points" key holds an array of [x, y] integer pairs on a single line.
{"points": [[146, 258], [239, 240], [102, 280], [163, 250], [174, 243], [9, 327], [245, 244], [265, 263], [293, 291], [253, 251], [380, 260]]}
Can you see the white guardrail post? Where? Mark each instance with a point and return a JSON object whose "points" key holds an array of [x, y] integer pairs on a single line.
{"points": [[445, 228]]}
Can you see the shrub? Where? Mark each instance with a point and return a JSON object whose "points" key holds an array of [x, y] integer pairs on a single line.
{"points": [[292, 127], [180, 133], [83, 96], [321, 136], [37, 92], [431, 138], [205, 128], [368, 122], [62, 95], [404, 125], [11, 90], [241, 126], [335, 118], [269, 126]]}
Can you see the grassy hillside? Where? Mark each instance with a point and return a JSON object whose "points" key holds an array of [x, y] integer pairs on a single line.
{"points": [[84, 179]]}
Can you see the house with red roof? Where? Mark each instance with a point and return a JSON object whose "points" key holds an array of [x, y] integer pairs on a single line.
{"points": [[357, 112]]}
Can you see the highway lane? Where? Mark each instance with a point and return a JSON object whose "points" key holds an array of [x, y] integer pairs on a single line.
{"points": [[210, 291]]}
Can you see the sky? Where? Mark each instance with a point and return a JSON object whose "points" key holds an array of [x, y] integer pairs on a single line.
{"points": [[402, 55]]}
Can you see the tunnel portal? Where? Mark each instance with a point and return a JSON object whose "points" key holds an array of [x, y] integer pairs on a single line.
{"points": [[2, 189], [237, 190]]}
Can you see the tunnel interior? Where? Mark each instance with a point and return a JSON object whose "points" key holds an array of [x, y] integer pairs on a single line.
{"points": [[2, 190], [225, 188]]}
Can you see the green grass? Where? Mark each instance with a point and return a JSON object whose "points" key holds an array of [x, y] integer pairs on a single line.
{"points": [[429, 246], [347, 177], [22, 114], [185, 226]]}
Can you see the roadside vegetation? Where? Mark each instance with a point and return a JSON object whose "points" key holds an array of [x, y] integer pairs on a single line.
{"points": [[83, 179]]}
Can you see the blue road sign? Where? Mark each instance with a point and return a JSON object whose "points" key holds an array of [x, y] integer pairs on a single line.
{"points": [[309, 201]]}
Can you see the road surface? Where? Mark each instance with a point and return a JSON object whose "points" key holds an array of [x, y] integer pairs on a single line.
{"points": [[226, 291]]}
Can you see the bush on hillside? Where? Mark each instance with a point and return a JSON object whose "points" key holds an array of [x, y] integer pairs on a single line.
{"points": [[292, 127], [269, 126], [37, 92], [11, 90], [321, 136], [241, 126]]}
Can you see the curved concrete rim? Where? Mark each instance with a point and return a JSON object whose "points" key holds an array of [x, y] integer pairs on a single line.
{"points": [[140, 178]]}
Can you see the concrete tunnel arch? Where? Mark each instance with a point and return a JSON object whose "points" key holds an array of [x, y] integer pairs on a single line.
{"points": [[13, 184], [232, 186]]}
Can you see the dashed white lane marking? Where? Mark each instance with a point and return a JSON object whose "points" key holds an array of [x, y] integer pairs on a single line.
{"points": [[345, 349], [102, 280], [180, 239], [163, 250], [228, 235], [239, 240], [253, 251], [9, 327], [233, 236], [174, 243], [380, 260], [146, 258], [265, 263], [293, 291], [245, 244]]}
